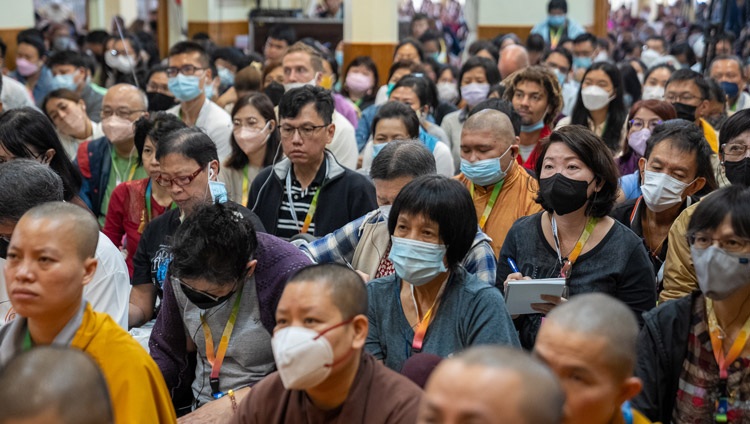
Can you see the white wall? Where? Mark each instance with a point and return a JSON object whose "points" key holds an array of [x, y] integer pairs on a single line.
{"points": [[530, 12]]}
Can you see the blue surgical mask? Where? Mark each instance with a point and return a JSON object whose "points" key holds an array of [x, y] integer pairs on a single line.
{"points": [[561, 77], [185, 88], [417, 262], [556, 20], [390, 88], [485, 172], [208, 90], [533, 127], [64, 81], [339, 57], [376, 148], [582, 62], [226, 76], [218, 191]]}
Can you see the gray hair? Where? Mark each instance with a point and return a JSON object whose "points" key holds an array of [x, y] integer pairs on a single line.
{"points": [[403, 158], [25, 183]]}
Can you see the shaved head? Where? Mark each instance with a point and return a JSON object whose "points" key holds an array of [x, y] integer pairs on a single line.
{"points": [[512, 58], [493, 122], [54, 384], [128, 93], [85, 229], [600, 315], [348, 291]]}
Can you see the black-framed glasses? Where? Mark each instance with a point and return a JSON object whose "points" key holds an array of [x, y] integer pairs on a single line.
{"points": [[187, 70], [179, 181], [305, 131], [189, 289]]}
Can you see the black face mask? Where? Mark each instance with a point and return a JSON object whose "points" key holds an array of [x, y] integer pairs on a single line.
{"points": [[3, 248], [158, 101], [274, 91], [203, 301], [684, 111], [738, 173], [562, 194]]}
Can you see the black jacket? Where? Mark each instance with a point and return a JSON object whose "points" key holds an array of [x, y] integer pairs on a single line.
{"points": [[345, 196], [662, 347]]}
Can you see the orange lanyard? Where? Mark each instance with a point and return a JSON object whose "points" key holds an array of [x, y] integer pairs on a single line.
{"points": [[245, 185], [421, 331], [215, 360], [717, 343]]}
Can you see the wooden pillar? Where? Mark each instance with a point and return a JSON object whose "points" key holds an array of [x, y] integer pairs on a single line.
{"points": [[371, 29]]}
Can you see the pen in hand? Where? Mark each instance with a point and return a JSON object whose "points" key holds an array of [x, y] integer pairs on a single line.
{"points": [[512, 264]]}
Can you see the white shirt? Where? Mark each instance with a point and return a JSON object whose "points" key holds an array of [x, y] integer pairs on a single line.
{"points": [[442, 154], [70, 144], [216, 122], [108, 291], [15, 95], [344, 144]]}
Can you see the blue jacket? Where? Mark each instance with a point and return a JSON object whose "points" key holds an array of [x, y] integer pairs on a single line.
{"points": [[362, 133], [573, 30], [43, 84], [95, 163]]}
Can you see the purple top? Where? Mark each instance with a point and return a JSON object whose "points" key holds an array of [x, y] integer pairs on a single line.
{"points": [[277, 262], [345, 107], [628, 164]]}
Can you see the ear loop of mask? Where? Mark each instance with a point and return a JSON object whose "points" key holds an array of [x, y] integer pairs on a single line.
{"points": [[127, 53], [270, 174]]}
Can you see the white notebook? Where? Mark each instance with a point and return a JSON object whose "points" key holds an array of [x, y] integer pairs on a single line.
{"points": [[520, 294]]}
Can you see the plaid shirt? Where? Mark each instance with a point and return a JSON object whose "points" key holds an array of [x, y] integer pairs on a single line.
{"points": [[339, 247]]}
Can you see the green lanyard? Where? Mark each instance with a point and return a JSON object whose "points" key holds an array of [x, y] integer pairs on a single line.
{"points": [[27, 342], [118, 177], [148, 207], [490, 203]]}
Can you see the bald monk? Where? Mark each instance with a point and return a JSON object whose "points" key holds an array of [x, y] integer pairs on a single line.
{"points": [[50, 259], [323, 374], [590, 343], [54, 385], [492, 385], [501, 190], [512, 58]]}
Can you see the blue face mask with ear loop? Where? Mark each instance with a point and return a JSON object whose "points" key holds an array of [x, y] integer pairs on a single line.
{"points": [[377, 148], [217, 188]]}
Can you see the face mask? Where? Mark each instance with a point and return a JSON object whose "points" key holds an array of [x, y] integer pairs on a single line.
{"points": [[358, 83], [660, 191], [208, 90], [26, 68], [303, 357], [653, 92], [251, 140], [582, 62], [62, 43], [217, 188], [720, 273], [121, 62], [73, 122], [637, 141], [415, 261], [561, 78], [447, 92], [226, 76], [730, 89], [684, 111], [117, 129], [485, 172], [385, 211], [649, 57], [474, 93], [293, 85], [640, 77], [339, 55], [556, 20], [564, 195], [203, 301], [158, 101], [693, 38], [66, 81], [533, 127], [602, 57], [274, 91], [628, 100], [185, 88], [595, 97], [377, 148], [738, 173]]}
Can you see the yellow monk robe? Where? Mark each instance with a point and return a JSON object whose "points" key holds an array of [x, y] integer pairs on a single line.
{"points": [[136, 386], [515, 200]]}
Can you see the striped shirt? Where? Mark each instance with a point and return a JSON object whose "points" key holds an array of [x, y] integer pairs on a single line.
{"points": [[287, 226]]}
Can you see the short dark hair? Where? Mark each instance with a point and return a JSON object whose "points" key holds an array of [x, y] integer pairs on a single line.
{"points": [[557, 4], [348, 291], [403, 158], [213, 243], [661, 39], [413, 67], [238, 159], [681, 75], [191, 47], [734, 126], [35, 42], [503, 106], [66, 57], [732, 201], [596, 156], [562, 51], [715, 92], [283, 33], [686, 137], [586, 37], [158, 125], [155, 70], [231, 55], [97, 36], [368, 63], [414, 43], [535, 43], [3, 48], [651, 70], [490, 70], [189, 142], [480, 45], [26, 183], [295, 99], [26, 128], [431, 35], [397, 110], [683, 48], [440, 199], [423, 87]]}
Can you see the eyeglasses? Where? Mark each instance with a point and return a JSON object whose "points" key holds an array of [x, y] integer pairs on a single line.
{"points": [[186, 70], [734, 150], [122, 112], [179, 181], [681, 98], [305, 131], [638, 124], [187, 288], [732, 244]]}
